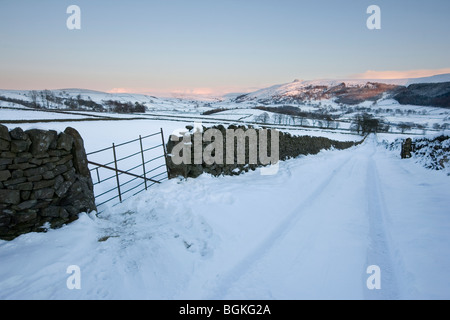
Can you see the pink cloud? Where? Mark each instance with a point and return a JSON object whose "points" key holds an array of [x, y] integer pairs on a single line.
{"points": [[120, 90], [200, 91], [371, 74]]}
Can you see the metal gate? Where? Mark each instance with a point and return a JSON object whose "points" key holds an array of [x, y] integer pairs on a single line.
{"points": [[123, 170]]}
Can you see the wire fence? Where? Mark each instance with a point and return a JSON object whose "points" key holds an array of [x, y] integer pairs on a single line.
{"points": [[145, 163]]}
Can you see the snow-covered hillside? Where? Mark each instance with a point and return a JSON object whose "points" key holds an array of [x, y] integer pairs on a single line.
{"points": [[347, 91], [363, 89], [59, 99]]}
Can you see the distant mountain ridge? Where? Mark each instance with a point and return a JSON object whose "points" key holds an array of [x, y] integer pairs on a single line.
{"points": [[355, 91], [429, 91], [425, 94]]}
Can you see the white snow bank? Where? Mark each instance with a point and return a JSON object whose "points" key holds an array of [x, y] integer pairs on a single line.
{"points": [[310, 231]]}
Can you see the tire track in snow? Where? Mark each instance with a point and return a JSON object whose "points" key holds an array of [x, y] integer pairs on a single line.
{"points": [[379, 251], [226, 281]]}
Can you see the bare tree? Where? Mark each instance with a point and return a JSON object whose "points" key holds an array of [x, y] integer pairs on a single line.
{"points": [[263, 118], [277, 118], [34, 97], [436, 126], [328, 121], [365, 123], [423, 127], [404, 126]]}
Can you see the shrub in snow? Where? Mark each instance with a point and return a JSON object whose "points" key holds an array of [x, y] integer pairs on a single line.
{"points": [[432, 153]]}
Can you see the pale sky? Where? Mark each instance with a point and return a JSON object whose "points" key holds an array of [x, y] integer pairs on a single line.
{"points": [[216, 46]]}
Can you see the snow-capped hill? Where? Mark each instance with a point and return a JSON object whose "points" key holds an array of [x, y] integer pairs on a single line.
{"points": [[83, 99], [348, 91], [78, 91], [265, 93], [434, 79]]}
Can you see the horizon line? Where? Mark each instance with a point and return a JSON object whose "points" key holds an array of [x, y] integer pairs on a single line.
{"points": [[216, 92]]}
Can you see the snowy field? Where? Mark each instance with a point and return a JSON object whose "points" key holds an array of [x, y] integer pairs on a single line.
{"points": [[11, 114], [308, 232]]}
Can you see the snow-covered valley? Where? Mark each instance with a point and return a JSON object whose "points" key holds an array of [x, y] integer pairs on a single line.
{"points": [[220, 157], [309, 232]]}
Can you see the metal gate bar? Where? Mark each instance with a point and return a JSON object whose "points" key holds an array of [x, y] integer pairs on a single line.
{"points": [[113, 165]]}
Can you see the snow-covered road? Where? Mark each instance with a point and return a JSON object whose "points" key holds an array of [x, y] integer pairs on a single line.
{"points": [[309, 232]]}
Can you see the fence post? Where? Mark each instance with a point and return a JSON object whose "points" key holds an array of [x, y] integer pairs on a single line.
{"points": [[165, 153], [98, 175], [143, 161], [117, 172]]}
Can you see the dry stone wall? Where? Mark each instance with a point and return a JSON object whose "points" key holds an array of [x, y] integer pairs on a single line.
{"points": [[289, 147], [44, 180]]}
